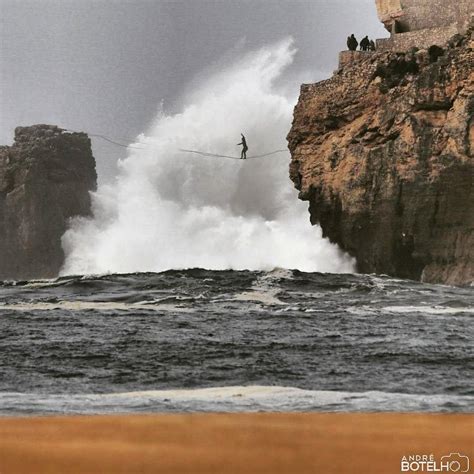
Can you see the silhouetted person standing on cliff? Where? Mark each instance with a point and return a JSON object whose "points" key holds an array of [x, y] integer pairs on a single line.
{"points": [[352, 43], [365, 44], [372, 46], [243, 155]]}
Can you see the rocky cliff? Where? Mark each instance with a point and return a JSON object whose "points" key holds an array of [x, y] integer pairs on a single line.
{"points": [[45, 179], [383, 152]]}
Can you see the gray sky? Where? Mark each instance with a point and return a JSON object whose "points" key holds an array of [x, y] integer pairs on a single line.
{"points": [[104, 66]]}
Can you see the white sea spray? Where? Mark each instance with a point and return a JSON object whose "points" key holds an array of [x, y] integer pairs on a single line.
{"points": [[172, 210]]}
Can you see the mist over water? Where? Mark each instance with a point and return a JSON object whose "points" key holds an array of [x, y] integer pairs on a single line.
{"points": [[174, 210]]}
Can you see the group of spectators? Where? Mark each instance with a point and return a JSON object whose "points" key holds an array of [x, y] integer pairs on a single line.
{"points": [[365, 44]]}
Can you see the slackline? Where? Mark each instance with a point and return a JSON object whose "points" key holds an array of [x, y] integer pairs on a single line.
{"points": [[232, 157], [114, 142], [103, 137]]}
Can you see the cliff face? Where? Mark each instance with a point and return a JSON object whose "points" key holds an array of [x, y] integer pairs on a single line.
{"points": [[383, 152], [45, 179]]}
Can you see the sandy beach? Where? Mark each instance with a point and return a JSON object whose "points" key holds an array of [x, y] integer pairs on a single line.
{"points": [[230, 443]]}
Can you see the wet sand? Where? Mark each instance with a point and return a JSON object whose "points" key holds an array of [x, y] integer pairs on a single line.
{"points": [[229, 443]]}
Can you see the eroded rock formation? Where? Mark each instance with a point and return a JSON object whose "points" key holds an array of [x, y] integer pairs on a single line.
{"points": [[413, 15], [45, 179], [422, 23], [383, 152]]}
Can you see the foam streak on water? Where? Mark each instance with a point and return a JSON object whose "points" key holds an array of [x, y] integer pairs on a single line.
{"points": [[231, 399]]}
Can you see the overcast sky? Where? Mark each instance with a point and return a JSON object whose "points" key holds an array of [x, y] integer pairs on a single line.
{"points": [[104, 66]]}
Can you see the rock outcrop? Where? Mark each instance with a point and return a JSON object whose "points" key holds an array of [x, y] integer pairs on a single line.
{"points": [[45, 179], [412, 15], [422, 23], [383, 152]]}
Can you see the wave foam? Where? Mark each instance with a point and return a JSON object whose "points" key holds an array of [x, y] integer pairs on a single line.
{"points": [[427, 309], [91, 306], [170, 210], [234, 399]]}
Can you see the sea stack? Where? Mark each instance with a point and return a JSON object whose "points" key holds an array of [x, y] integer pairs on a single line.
{"points": [[383, 151], [45, 179]]}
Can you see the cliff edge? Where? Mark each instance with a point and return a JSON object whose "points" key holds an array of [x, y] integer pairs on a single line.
{"points": [[45, 179], [383, 152]]}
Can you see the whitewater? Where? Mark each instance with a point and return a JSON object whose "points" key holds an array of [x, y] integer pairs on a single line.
{"points": [[168, 209]]}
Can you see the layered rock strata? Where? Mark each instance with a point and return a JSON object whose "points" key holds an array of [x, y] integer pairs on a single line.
{"points": [[383, 152]]}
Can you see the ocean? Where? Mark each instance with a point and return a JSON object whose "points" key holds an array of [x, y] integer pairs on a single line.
{"points": [[230, 341]]}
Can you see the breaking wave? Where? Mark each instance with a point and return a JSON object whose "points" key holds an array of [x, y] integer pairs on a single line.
{"points": [[230, 399], [169, 209]]}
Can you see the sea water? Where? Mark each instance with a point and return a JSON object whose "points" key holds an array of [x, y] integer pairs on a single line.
{"points": [[201, 340]]}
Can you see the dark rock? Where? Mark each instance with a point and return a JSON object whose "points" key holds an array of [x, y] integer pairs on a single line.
{"points": [[45, 179], [393, 72], [456, 41], [435, 52]]}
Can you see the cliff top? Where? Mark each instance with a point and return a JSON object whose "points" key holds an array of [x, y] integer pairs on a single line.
{"points": [[42, 131], [46, 143]]}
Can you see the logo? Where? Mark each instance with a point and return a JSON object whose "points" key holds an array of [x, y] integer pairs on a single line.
{"points": [[453, 462]]}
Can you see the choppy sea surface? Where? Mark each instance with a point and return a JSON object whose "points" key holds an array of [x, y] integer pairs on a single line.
{"points": [[200, 340]]}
